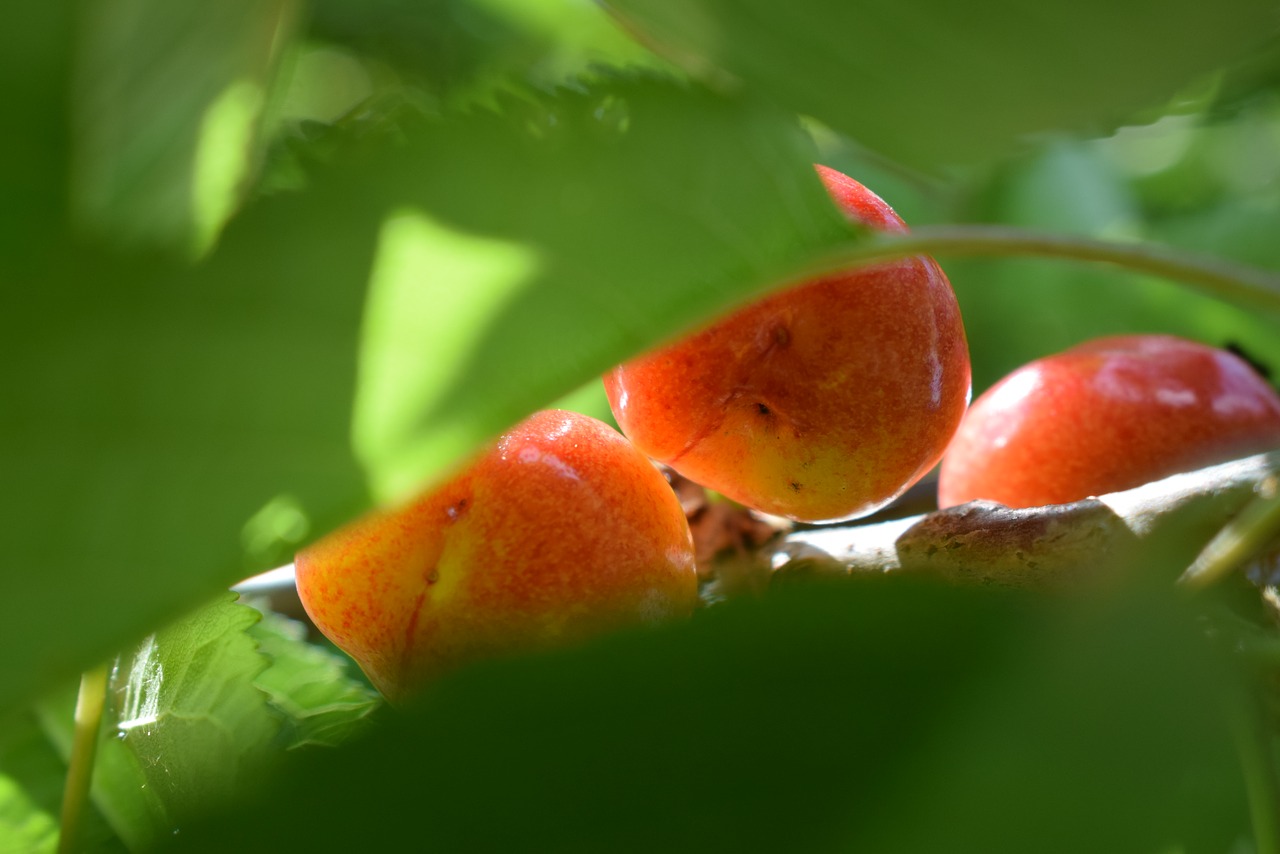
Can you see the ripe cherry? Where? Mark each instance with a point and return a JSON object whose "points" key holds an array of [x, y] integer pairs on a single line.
{"points": [[1108, 415], [821, 402], [560, 531]]}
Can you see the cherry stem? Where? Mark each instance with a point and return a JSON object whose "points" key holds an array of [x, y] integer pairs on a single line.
{"points": [[84, 748], [1219, 278]]}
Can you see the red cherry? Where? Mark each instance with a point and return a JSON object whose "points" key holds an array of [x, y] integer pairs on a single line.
{"points": [[560, 531], [824, 401], [1108, 415]]}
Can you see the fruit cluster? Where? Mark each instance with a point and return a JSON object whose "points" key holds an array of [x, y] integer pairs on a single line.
{"points": [[824, 401]]}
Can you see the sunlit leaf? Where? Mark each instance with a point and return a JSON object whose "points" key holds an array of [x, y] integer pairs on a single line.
{"points": [[185, 705], [532, 250], [312, 688], [168, 108]]}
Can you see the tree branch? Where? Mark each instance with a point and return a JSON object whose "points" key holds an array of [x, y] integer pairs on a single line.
{"points": [[1040, 547]]}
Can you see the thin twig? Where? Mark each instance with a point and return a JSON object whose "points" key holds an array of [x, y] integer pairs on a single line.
{"points": [[1221, 279]]}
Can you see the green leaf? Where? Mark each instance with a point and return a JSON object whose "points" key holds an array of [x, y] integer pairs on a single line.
{"points": [[31, 776], [532, 250], [169, 105], [185, 731], [458, 50], [185, 705], [35, 65], [943, 83], [186, 727], [310, 686], [879, 716], [160, 414], [153, 410]]}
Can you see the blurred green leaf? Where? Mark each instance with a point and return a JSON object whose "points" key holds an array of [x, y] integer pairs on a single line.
{"points": [[167, 115], [157, 409], [310, 686], [532, 250], [945, 83], [458, 51], [31, 776], [152, 410], [35, 65], [1017, 310], [877, 716]]}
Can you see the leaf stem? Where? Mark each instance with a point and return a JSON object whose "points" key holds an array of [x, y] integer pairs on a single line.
{"points": [[1240, 540], [1218, 278], [84, 748]]}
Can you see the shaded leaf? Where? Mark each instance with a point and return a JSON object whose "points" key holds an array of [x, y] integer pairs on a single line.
{"points": [[935, 82], [152, 410], [462, 49], [811, 721]]}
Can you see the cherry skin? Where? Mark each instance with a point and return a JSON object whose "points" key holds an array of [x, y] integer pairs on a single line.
{"points": [[822, 402], [560, 531], [1108, 415]]}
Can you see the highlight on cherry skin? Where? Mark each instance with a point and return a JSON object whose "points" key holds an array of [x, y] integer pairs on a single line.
{"points": [[1108, 415], [822, 402], [560, 531]]}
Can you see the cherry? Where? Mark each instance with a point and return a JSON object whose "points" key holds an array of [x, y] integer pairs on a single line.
{"points": [[1108, 415], [824, 401], [560, 531]]}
